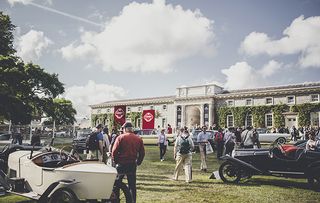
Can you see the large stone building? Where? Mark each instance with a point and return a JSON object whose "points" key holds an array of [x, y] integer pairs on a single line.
{"points": [[210, 104]]}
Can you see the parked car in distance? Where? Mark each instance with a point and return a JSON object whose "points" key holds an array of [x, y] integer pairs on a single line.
{"points": [[5, 136], [79, 142], [280, 138], [149, 137]]}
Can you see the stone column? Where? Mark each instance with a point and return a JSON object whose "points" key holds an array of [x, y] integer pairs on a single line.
{"points": [[210, 114], [201, 115], [183, 115]]}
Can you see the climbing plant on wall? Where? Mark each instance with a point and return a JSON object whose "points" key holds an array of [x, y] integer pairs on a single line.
{"points": [[134, 116], [304, 111], [258, 114]]}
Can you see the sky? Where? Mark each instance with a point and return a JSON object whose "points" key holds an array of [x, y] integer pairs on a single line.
{"points": [[121, 49]]}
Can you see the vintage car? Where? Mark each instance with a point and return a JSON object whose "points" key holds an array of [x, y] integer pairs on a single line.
{"points": [[265, 136], [46, 175], [273, 161], [150, 137]]}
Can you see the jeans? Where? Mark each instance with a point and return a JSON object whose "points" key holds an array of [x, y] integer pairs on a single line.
{"points": [[129, 170], [163, 149], [220, 146]]}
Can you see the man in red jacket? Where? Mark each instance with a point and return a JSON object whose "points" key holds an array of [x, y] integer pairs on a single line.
{"points": [[128, 153]]}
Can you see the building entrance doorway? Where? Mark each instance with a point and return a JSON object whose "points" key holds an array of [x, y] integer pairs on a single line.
{"points": [[291, 121], [192, 116]]}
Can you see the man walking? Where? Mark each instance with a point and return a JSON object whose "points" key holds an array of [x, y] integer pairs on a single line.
{"points": [[247, 138], [94, 144], [202, 140], [128, 152], [183, 156], [218, 139]]}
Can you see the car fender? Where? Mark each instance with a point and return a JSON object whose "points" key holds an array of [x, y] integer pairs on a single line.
{"points": [[54, 187], [241, 163]]}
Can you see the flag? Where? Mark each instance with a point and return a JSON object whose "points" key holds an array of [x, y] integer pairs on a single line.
{"points": [[120, 114], [148, 119]]}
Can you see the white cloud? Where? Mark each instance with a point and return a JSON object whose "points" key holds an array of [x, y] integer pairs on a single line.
{"points": [[242, 75], [301, 37], [270, 68], [31, 45], [147, 37], [25, 2], [92, 93], [12, 2]]}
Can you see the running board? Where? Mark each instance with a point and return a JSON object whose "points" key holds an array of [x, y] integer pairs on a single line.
{"points": [[287, 172]]}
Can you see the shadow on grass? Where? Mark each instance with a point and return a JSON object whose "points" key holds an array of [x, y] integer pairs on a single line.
{"points": [[257, 182]]}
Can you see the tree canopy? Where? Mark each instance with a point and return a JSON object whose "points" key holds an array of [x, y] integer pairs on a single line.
{"points": [[27, 91]]}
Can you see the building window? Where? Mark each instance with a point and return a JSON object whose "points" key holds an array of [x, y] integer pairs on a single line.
{"points": [[164, 107], [98, 111], [269, 100], [314, 98], [268, 120], [108, 110], [139, 109], [248, 102], [128, 109], [230, 121], [249, 120], [291, 100], [151, 107], [230, 102]]}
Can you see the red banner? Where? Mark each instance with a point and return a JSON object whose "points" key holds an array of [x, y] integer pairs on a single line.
{"points": [[120, 114], [148, 119]]}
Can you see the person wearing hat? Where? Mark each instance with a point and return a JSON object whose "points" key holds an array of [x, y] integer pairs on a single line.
{"points": [[128, 153]]}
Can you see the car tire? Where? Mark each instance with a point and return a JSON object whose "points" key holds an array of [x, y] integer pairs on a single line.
{"points": [[281, 140], [64, 195], [229, 172], [314, 183]]}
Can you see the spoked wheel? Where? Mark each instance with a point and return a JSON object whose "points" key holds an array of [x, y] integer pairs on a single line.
{"points": [[281, 141], [314, 183], [120, 193], [64, 195], [229, 172]]}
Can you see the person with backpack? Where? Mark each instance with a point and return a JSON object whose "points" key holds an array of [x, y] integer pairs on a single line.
{"points": [[94, 144], [247, 138], [218, 139], [202, 140], [182, 153]]}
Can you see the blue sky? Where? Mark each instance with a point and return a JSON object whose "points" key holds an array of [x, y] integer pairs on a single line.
{"points": [[107, 50]]}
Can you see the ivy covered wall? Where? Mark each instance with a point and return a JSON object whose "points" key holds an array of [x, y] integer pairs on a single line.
{"points": [[258, 114]]}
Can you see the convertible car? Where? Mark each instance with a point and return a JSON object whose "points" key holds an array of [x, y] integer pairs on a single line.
{"points": [[46, 175], [277, 161]]}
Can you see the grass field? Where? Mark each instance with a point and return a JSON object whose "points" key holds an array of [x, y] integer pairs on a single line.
{"points": [[154, 185]]}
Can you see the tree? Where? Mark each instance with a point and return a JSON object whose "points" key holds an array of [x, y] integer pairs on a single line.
{"points": [[26, 90], [6, 37], [62, 112]]}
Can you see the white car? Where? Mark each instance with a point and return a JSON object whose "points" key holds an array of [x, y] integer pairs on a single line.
{"points": [[55, 176], [280, 138]]}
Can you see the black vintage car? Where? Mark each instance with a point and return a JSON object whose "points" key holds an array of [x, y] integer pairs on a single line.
{"points": [[273, 161]]}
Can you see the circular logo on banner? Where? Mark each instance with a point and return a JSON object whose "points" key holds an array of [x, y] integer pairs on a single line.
{"points": [[119, 113], [148, 117]]}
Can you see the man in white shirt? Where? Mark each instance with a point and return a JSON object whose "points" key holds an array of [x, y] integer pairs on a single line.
{"points": [[202, 140]]}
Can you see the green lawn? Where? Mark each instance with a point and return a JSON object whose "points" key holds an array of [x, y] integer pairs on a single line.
{"points": [[154, 185]]}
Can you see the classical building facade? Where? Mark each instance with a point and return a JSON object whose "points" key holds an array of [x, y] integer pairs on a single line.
{"points": [[211, 104]]}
